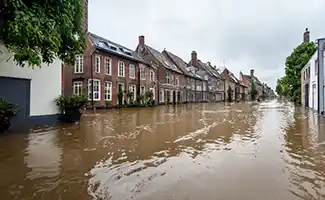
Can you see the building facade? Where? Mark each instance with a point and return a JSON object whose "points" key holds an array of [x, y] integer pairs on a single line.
{"points": [[33, 89], [107, 68], [196, 86], [216, 84], [171, 80]]}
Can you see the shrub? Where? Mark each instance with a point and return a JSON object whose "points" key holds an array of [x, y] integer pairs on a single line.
{"points": [[7, 112], [71, 104]]}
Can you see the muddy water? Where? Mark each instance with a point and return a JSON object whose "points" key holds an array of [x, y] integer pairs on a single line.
{"points": [[268, 151]]}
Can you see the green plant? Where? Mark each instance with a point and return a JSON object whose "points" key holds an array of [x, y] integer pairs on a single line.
{"points": [[130, 95], [71, 104], [38, 31], [7, 111], [108, 104], [230, 93], [120, 95], [254, 91]]}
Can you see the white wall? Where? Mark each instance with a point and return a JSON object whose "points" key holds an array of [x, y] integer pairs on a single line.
{"points": [[45, 82], [313, 80]]}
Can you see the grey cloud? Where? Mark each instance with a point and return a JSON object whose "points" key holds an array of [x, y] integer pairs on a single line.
{"points": [[246, 34]]}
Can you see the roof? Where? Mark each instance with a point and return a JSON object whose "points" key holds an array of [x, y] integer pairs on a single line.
{"points": [[208, 68], [181, 64], [229, 74], [163, 60], [114, 48], [255, 79]]}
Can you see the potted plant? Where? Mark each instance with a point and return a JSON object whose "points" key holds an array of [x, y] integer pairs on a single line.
{"points": [[7, 112], [71, 107], [130, 96], [150, 101]]}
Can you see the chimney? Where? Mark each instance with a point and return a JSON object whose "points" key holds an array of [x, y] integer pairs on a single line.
{"points": [[85, 15], [141, 41], [306, 35], [252, 72], [194, 58]]}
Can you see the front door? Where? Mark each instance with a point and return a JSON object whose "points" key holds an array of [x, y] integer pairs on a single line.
{"points": [[17, 91]]}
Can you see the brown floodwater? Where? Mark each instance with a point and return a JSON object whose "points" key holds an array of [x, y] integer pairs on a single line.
{"points": [[261, 151]]}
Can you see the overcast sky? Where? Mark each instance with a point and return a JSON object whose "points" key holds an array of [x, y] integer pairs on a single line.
{"points": [[246, 34]]}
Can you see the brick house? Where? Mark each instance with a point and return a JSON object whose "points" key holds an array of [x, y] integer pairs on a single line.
{"points": [[231, 82], [195, 84], [247, 80], [171, 80], [108, 66], [216, 82]]}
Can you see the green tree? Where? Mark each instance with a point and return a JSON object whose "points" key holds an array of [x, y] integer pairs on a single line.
{"points": [[254, 91], [37, 31], [289, 85]]}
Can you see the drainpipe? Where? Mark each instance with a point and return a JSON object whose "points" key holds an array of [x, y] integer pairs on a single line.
{"points": [[320, 80]]}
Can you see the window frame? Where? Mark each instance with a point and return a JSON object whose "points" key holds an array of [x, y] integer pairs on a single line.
{"points": [[142, 73], [120, 64], [89, 89], [97, 64], [79, 64], [110, 66], [108, 86], [77, 84], [131, 66], [152, 73]]}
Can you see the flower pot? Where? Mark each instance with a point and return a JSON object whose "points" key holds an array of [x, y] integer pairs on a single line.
{"points": [[4, 126], [71, 116]]}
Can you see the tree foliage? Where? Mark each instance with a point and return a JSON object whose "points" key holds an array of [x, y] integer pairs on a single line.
{"points": [[254, 91], [38, 31], [289, 85]]}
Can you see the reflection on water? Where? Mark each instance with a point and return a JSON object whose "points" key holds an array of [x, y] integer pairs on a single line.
{"points": [[269, 150]]}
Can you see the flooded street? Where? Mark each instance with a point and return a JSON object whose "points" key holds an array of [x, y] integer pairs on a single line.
{"points": [[269, 150]]}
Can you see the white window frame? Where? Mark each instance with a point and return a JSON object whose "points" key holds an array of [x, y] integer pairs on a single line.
{"points": [[132, 69], [79, 64], [108, 91], [97, 64], [167, 78], [121, 65], [77, 84], [177, 80], [108, 64], [142, 73], [94, 92], [152, 76]]}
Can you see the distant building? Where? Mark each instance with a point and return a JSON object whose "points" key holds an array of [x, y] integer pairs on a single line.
{"points": [[312, 78]]}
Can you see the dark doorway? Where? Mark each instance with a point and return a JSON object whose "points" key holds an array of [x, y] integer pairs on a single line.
{"points": [[17, 91], [307, 95]]}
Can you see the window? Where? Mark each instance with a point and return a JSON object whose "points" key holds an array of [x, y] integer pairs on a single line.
{"points": [[168, 78], [152, 76], [108, 64], [142, 90], [316, 67], [96, 89], [142, 73], [79, 64], [206, 77], [97, 64], [161, 96], [108, 91], [132, 71], [132, 88], [204, 86], [77, 88], [177, 80], [121, 69]]}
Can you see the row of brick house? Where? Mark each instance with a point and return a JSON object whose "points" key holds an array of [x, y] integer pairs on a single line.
{"points": [[106, 67]]}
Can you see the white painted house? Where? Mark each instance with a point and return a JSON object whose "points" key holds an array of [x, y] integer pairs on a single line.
{"points": [[34, 90], [310, 83]]}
